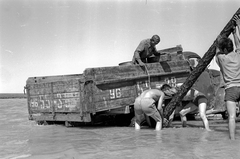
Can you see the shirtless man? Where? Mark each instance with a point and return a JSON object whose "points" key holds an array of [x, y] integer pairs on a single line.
{"points": [[196, 97], [149, 103]]}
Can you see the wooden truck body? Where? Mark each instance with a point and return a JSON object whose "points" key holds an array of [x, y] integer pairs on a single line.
{"points": [[106, 93]]}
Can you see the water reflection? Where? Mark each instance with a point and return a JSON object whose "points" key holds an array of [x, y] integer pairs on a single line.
{"points": [[159, 136], [204, 136]]}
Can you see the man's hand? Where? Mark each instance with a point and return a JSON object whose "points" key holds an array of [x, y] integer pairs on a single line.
{"points": [[165, 122], [236, 18], [234, 30]]}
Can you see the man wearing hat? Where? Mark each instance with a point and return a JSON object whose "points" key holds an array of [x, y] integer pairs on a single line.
{"points": [[145, 49]]}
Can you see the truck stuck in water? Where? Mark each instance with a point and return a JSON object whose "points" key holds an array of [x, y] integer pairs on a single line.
{"points": [[106, 94]]}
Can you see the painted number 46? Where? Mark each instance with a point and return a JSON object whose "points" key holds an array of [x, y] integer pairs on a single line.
{"points": [[115, 93]]}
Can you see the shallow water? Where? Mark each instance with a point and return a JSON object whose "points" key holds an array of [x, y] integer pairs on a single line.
{"points": [[24, 139]]}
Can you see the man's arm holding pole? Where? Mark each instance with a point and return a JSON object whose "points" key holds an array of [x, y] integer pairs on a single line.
{"points": [[203, 63]]}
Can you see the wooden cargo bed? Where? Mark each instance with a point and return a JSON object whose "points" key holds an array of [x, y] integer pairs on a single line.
{"points": [[102, 90]]}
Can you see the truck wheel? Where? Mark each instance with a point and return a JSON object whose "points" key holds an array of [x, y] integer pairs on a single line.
{"points": [[123, 119], [42, 122], [224, 115]]}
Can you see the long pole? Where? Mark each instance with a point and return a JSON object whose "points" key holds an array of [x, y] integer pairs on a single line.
{"points": [[203, 63]]}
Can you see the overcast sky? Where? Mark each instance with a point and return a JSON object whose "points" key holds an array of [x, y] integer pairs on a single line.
{"points": [[59, 37]]}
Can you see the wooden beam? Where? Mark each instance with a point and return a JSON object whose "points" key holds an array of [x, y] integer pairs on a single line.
{"points": [[203, 63]]}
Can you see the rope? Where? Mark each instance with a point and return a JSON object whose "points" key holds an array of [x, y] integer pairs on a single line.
{"points": [[149, 80]]}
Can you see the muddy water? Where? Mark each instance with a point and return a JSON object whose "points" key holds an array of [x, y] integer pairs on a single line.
{"points": [[24, 139]]}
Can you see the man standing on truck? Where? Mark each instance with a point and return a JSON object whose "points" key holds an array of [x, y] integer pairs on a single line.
{"points": [[229, 62], [195, 97], [145, 49], [149, 103]]}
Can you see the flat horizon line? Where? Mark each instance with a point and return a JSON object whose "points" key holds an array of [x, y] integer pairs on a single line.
{"points": [[12, 95]]}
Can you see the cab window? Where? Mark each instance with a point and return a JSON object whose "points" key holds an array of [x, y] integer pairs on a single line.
{"points": [[193, 61]]}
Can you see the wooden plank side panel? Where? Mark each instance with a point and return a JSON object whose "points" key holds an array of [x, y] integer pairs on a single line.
{"points": [[157, 82], [115, 98], [40, 89], [125, 93], [66, 96], [168, 67], [88, 98], [58, 96], [104, 94], [66, 86], [48, 79], [113, 104], [177, 48], [113, 93], [174, 57], [61, 117], [161, 68], [66, 102], [62, 102], [40, 103], [58, 87], [122, 72], [172, 80]]}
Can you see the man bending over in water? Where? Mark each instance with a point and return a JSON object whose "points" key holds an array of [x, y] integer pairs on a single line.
{"points": [[149, 103], [197, 98]]}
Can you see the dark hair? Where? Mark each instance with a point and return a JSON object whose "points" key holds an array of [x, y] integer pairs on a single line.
{"points": [[155, 38], [167, 90], [225, 43], [165, 87]]}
